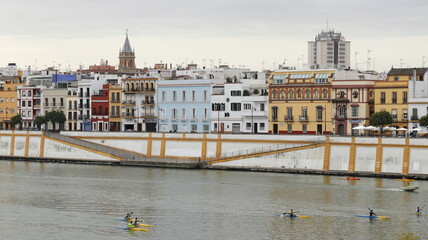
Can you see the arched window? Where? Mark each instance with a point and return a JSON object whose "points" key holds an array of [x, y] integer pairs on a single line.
{"points": [[127, 86], [282, 94], [308, 94], [132, 85], [324, 93], [274, 95], [316, 94], [152, 86], [147, 86], [299, 93], [291, 94]]}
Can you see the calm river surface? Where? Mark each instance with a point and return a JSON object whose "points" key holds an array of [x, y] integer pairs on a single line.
{"points": [[63, 201]]}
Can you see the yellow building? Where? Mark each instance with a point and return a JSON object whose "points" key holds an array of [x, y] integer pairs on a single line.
{"points": [[300, 102], [115, 117], [8, 100], [391, 95]]}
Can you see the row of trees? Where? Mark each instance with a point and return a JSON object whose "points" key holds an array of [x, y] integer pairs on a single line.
{"points": [[384, 118], [53, 116]]}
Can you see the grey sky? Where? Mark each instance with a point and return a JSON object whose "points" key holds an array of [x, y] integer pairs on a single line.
{"points": [[250, 33]]}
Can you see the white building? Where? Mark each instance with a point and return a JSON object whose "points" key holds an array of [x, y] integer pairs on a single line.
{"points": [[329, 51], [418, 97], [240, 107]]}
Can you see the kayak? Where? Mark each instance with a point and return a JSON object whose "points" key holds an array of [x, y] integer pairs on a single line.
{"points": [[293, 216], [405, 180], [365, 216], [143, 225], [350, 178], [134, 229], [410, 188], [418, 213]]}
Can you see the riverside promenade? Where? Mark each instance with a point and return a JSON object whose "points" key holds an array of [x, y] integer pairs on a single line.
{"points": [[360, 156]]}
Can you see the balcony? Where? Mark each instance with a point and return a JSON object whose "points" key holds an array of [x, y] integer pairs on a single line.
{"points": [[128, 115], [144, 102], [404, 119], [80, 105], [394, 118], [275, 119], [382, 101], [340, 100], [288, 118], [340, 117], [86, 105], [303, 118], [414, 118]]}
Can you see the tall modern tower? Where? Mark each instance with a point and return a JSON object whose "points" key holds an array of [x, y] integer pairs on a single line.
{"points": [[329, 51], [127, 57]]}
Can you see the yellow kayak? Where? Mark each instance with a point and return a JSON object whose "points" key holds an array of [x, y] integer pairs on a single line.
{"points": [[139, 229], [143, 225], [405, 180]]}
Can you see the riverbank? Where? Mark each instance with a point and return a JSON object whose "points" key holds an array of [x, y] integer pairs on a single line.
{"points": [[201, 165]]}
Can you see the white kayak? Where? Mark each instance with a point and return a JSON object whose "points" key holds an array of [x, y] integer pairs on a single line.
{"points": [[410, 188]]}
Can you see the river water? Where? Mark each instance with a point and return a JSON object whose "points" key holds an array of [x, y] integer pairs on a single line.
{"points": [[64, 201]]}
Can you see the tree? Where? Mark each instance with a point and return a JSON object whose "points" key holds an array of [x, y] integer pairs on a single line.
{"points": [[246, 93], [55, 117], [39, 120], [381, 119], [17, 119], [423, 121]]}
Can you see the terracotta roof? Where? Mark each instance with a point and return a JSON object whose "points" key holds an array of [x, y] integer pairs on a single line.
{"points": [[407, 71]]}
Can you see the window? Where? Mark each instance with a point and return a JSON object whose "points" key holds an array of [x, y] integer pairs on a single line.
{"points": [[174, 127], [316, 94], [394, 97], [279, 78], [382, 97], [405, 117], [163, 96], [53, 102], [205, 95], [235, 106], [282, 94], [404, 97], [319, 114], [354, 111], [394, 115], [414, 114], [308, 94], [262, 107], [112, 112], [193, 113], [174, 113], [174, 96], [299, 93], [29, 93], [304, 128], [321, 78], [194, 128], [304, 115], [289, 115], [70, 115], [12, 99], [206, 128], [396, 78], [324, 93], [247, 106], [205, 113], [23, 103], [235, 93], [289, 128], [184, 96], [274, 113], [183, 113], [29, 103], [248, 126], [262, 126], [291, 94], [274, 95], [193, 95]]}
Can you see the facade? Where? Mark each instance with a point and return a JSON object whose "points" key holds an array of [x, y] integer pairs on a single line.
{"points": [[84, 107], [392, 96], [184, 105], [29, 104], [240, 107], [8, 100], [71, 100], [100, 110], [115, 103], [353, 100], [54, 100], [329, 51], [300, 102], [139, 104], [418, 96]]}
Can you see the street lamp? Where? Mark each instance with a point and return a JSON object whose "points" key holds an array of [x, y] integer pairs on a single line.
{"points": [[252, 119]]}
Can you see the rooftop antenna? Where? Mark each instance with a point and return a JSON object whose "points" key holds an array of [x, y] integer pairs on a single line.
{"points": [[402, 62], [356, 63]]}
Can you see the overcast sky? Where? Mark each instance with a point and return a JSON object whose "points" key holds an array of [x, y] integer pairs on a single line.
{"points": [[256, 34]]}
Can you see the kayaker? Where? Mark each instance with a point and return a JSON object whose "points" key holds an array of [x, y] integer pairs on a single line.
{"points": [[418, 210], [372, 213], [135, 221], [130, 225], [291, 213], [128, 216]]}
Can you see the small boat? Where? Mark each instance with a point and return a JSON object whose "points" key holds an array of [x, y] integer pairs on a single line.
{"points": [[293, 216], [350, 178], [373, 217], [418, 213], [134, 229], [405, 180], [410, 188]]}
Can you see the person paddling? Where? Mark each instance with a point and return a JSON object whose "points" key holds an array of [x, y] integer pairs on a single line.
{"points": [[135, 222], [372, 213], [128, 216], [418, 210], [130, 225]]}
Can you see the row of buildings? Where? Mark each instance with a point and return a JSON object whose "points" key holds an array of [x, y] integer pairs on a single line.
{"points": [[327, 97]]}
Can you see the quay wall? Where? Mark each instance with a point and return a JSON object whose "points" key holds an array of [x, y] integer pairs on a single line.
{"points": [[312, 152]]}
